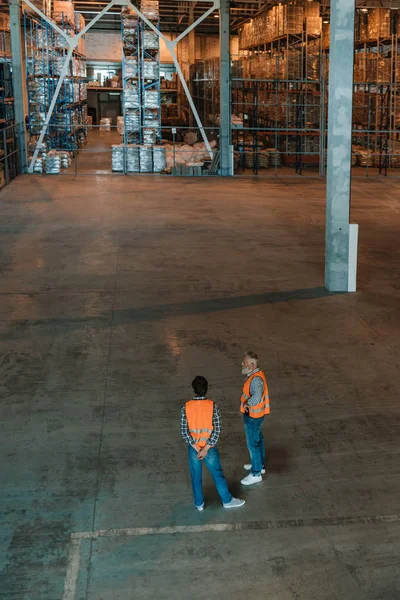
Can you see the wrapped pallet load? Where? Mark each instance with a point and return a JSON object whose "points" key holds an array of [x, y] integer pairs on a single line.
{"points": [[159, 159], [146, 159], [63, 12]]}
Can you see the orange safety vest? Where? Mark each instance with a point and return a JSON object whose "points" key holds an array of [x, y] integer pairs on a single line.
{"points": [[199, 414], [262, 408]]}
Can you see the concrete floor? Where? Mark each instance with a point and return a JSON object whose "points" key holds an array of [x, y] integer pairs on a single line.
{"points": [[115, 292]]}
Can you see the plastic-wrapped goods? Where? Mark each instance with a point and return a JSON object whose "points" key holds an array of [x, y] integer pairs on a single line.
{"points": [[132, 159], [83, 91], [294, 18], [362, 29], [378, 23], [132, 120], [150, 9], [313, 25], [63, 12], [313, 61], [151, 118], [53, 163], [384, 70], [294, 64], [159, 159], [36, 121], [38, 92], [117, 157], [131, 66], [365, 158], [149, 137], [40, 65], [129, 19], [152, 99], [150, 40], [65, 159], [150, 69], [105, 124], [131, 95], [39, 165], [79, 21], [4, 22], [120, 125], [146, 159]]}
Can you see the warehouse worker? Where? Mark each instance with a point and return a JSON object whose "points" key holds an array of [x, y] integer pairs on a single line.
{"points": [[254, 404], [200, 428]]}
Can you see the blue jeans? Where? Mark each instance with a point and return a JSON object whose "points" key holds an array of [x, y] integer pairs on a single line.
{"points": [[255, 443], [213, 464]]}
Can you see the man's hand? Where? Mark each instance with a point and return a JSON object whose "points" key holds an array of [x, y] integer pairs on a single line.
{"points": [[246, 408], [203, 452]]}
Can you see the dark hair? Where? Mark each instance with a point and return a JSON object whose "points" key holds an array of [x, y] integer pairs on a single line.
{"points": [[200, 385]]}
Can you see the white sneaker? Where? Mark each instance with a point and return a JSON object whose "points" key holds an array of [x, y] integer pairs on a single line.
{"points": [[200, 507], [250, 479], [234, 503], [247, 467]]}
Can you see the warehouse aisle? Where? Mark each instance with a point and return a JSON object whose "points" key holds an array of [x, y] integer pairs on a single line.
{"points": [[95, 157], [115, 293]]}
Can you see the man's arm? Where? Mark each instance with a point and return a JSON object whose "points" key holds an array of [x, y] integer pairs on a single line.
{"points": [[185, 430], [256, 391], [214, 437], [217, 424]]}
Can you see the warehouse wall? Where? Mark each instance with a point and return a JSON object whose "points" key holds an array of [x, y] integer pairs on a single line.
{"points": [[104, 45], [107, 45]]}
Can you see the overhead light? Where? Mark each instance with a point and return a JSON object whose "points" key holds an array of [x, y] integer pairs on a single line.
{"points": [[216, 16], [364, 10], [325, 21]]}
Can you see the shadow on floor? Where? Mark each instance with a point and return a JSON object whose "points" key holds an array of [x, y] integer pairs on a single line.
{"points": [[277, 460], [163, 311]]}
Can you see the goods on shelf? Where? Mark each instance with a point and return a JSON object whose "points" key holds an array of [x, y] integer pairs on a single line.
{"points": [[159, 159], [150, 9], [120, 125], [45, 62], [146, 159], [63, 12], [132, 159], [105, 124], [278, 21]]}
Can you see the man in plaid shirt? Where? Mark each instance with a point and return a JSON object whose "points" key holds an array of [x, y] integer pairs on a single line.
{"points": [[200, 429]]}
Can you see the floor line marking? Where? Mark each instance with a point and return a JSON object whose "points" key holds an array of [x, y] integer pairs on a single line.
{"points": [[249, 525], [71, 579]]}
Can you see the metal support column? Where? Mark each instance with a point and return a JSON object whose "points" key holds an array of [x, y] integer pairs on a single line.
{"points": [[340, 258], [225, 89], [18, 79], [192, 55]]}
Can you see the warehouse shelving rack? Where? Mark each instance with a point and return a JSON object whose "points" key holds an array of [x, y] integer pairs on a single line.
{"points": [[46, 51], [282, 111], [131, 77], [150, 84], [8, 140], [376, 118]]}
